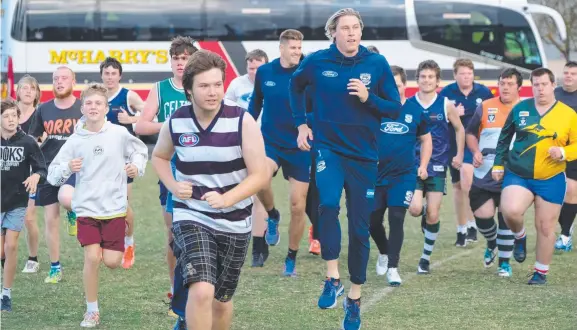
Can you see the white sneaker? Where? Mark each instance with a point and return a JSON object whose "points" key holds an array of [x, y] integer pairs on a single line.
{"points": [[91, 320], [393, 277], [382, 264], [31, 267]]}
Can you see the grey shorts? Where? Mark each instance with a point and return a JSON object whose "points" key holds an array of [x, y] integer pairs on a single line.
{"points": [[13, 219], [207, 255]]}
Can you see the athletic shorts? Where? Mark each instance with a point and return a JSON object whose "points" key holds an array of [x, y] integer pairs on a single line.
{"points": [[47, 194], [207, 255], [13, 220], [163, 194], [396, 191], [551, 190], [295, 163], [432, 184], [109, 233], [479, 196], [571, 170]]}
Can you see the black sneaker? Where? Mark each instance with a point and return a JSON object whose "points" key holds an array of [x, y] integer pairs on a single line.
{"points": [[257, 260], [520, 249], [264, 252], [538, 279], [423, 267], [6, 304], [461, 240], [472, 235]]}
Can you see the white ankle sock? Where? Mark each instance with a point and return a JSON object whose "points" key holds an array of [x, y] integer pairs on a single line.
{"points": [[92, 306], [7, 292]]}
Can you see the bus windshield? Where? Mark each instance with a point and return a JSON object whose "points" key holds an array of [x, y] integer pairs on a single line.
{"points": [[493, 32]]}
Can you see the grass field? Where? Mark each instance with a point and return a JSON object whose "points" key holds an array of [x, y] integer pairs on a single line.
{"points": [[458, 294]]}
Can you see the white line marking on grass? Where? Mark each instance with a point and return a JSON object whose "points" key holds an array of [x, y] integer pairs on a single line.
{"points": [[381, 294]]}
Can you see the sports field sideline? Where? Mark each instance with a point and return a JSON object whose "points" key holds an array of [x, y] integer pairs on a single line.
{"points": [[458, 294]]}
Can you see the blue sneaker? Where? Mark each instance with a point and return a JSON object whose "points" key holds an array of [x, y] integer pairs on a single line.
{"points": [[290, 267], [564, 243], [352, 320], [520, 249], [505, 270], [6, 304], [330, 294], [180, 324], [538, 279], [272, 235]]}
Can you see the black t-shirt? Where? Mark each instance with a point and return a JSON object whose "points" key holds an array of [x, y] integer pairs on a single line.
{"points": [[569, 98], [58, 125], [25, 126]]}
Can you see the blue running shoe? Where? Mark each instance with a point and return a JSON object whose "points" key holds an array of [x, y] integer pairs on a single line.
{"points": [[564, 243], [290, 267], [272, 235], [331, 292], [520, 249], [505, 270], [6, 304], [352, 319], [538, 279], [180, 324]]}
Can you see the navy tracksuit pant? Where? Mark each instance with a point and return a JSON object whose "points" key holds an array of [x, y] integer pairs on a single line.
{"points": [[333, 173]]}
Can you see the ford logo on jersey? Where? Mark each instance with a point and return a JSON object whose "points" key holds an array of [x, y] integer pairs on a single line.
{"points": [[330, 74], [188, 140], [394, 128]]}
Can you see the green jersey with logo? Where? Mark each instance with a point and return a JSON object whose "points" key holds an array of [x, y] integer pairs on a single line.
{"points": [[170, 98]]}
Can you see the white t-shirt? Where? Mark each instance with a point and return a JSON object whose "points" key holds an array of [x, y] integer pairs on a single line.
{"points": [[240, 91]]}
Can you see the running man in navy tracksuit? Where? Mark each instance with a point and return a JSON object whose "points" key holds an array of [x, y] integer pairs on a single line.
{"points": [[353, 89]]}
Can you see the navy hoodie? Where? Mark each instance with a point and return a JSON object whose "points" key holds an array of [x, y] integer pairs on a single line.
{"points": [[271, 88], [342, 123]]}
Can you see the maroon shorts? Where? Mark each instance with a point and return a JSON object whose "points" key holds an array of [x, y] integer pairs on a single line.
{"points": [[109, 234]]}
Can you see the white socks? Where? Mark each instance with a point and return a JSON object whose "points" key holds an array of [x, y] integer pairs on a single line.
{"points": [[129, 240], [92, 306], [7, 292]]}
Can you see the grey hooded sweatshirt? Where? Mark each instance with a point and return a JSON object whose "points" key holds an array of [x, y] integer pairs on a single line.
{"points": [[101, 187]]}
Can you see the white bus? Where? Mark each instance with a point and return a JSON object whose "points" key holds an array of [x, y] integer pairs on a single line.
{"points": [[40, 35]]}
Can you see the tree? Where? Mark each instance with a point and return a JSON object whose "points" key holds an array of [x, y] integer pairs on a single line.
{"points": [[567, 9]]}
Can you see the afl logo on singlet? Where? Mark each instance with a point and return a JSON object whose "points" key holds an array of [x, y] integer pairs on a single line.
{"points": [[188, 140]]}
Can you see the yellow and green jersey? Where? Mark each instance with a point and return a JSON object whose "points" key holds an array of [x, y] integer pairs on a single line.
{"points": [[528, 156]]}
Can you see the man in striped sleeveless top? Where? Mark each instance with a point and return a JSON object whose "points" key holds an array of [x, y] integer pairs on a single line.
{"points": [[220, 164], [163, 99]]}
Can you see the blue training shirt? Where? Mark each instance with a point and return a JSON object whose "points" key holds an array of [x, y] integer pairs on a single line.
{"points": [[116, 104], [439, 128], [342, 123], [271, 86], [478, 94], [397, 142]]}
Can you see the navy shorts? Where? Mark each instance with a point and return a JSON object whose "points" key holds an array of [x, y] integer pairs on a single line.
{"points": [[551, 190], [47, 194], [163, 193], [395, 191], [295, 163]]}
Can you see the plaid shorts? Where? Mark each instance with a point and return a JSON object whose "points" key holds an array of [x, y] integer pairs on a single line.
{"points": [[207, 255]]}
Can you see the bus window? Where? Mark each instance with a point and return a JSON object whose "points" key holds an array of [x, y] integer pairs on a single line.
{"points": [[61, 21], [382, 19], [494, 32], [250, 22], [149, 23]]}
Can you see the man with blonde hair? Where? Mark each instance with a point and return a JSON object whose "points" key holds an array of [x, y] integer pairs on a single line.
{"points": [[280, 135], [351, 89], [57, 119]]}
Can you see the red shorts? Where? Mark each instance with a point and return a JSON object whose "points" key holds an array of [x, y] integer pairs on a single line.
{"points": [[109, 234]]}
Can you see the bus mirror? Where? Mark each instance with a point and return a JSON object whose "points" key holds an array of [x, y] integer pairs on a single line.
{"points": [[557, 18]]}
